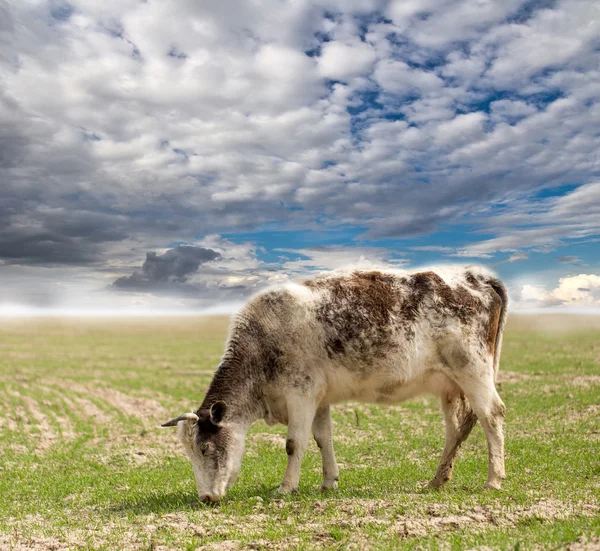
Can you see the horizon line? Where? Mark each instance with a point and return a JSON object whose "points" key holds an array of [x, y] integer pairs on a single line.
{"points": [[24, 311]]}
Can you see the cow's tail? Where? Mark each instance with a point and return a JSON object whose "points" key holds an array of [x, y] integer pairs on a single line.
{"points": [[500, 290]]}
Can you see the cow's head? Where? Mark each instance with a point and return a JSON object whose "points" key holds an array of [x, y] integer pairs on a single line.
{"points": [[214, 446]]}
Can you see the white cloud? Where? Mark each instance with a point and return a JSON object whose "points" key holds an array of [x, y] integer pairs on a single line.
{"points": [[511, 111], [435, 24], [462, 129], [581, 290], [315, 259], [517, 257], [433, 248], [339, 61], [535, 293], [397, 77], [550, 39]]}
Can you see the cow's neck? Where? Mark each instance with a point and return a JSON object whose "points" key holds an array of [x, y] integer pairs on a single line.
{"points": [[235, 386]]}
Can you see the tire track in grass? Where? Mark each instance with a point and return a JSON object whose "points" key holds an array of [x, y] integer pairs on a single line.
{"points": [[147, 411], [57, 408], [22, 435], [104, 425], [83, 407], [92, 403], [45, 415], [7, 420], [48, 411], [119, 424], [43, 428]]}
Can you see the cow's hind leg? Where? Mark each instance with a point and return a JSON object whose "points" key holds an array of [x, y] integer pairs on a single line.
{"points": [[490, 410], [460, 420], [301, 413], [323, 432], [492, 420]]}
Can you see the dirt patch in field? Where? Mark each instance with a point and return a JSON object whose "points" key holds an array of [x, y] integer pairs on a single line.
{"points": [[585, 381], [437, 516], [41, 543], [589, 412], [512, 377], [354, 516], [419, 527], [583, 544], [33, 544], [554, 509], [7, 420]]}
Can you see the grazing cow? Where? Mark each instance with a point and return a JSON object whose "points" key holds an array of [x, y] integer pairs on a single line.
{"points": [[372, 336]]}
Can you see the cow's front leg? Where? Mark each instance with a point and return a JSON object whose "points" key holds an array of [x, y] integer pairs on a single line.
{"points": [[301, 413], [322, 428]]}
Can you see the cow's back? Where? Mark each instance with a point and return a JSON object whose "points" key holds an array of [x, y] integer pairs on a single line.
{"points": [[367, 317], [369, 322]]}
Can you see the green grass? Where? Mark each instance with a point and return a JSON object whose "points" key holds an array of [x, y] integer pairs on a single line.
{"points": [[84, 465]]}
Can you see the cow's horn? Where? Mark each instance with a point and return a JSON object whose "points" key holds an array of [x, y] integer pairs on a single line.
{"points": [[184, 417]]}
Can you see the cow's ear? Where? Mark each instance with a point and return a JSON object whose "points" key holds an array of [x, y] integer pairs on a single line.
{"points": [[217, 412]]}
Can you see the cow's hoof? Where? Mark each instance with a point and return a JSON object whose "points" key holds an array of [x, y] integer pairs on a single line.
{"points": [[493, 485], [436, 484], [329, 486], [285, 490]]}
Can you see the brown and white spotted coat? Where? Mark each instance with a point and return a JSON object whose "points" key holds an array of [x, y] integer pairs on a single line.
{"points": [[372, 336]]}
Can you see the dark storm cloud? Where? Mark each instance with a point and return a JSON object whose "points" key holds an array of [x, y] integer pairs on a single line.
{"points": [[11, 150], [43, 247], [51, 237], [169, 271]]}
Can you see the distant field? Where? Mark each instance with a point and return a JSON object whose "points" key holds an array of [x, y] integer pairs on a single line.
{"points": [[83, 464]]}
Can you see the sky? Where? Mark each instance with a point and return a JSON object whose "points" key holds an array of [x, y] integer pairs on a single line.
{"points": [[180, 156]]}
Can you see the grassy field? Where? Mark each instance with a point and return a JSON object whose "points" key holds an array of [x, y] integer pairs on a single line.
{"points": [[84, 465]]}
